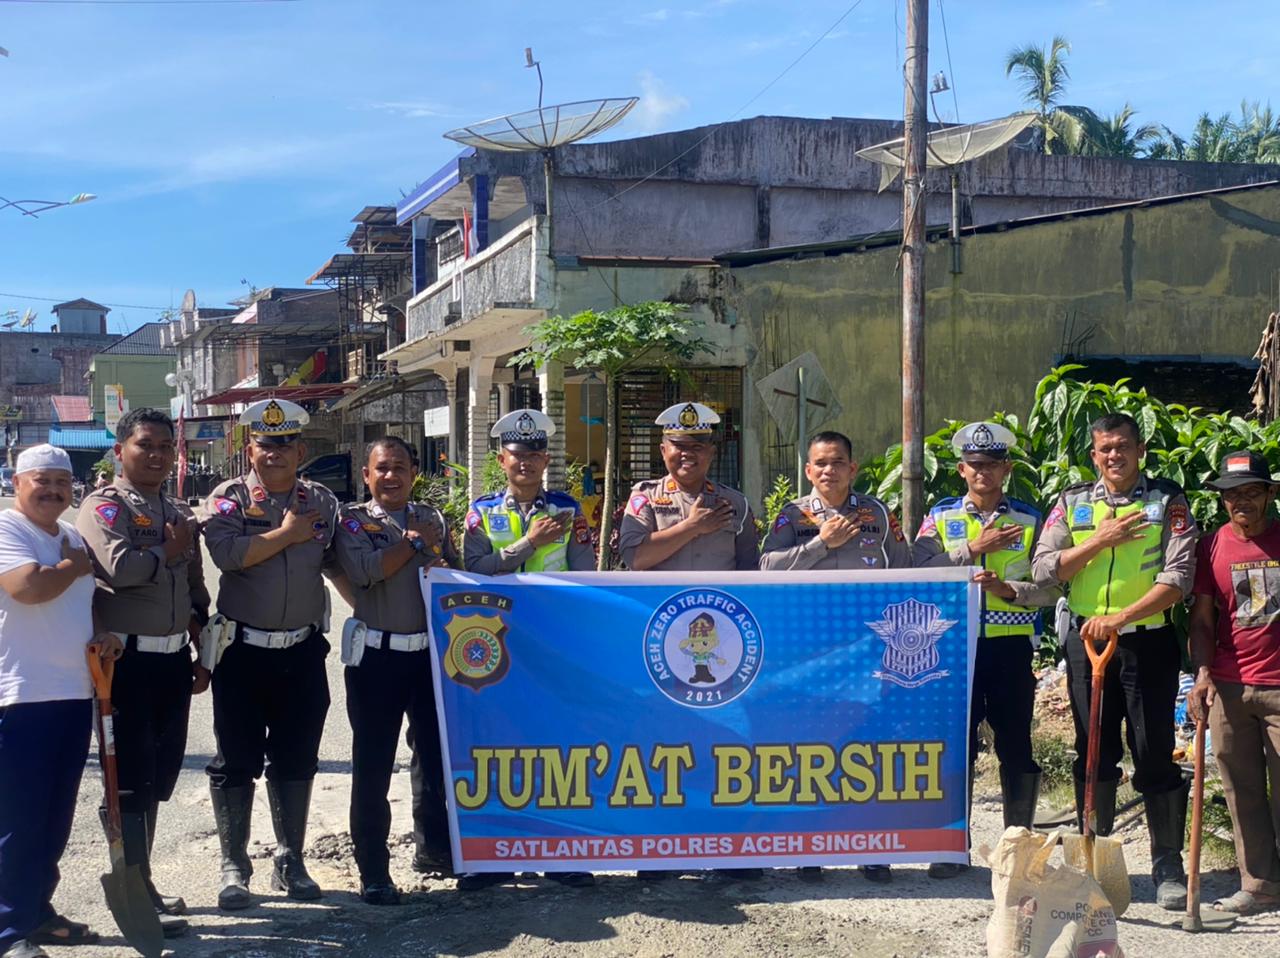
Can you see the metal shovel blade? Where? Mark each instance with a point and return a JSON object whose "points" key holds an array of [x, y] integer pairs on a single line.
{"points": [[133, 910], [1209, 921]]}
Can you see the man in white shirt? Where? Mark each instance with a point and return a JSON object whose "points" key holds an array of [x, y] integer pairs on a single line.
{"points": [[46, 619]]}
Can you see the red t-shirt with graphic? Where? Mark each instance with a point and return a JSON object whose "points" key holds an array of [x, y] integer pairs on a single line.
{"points": [[1243, 577]]}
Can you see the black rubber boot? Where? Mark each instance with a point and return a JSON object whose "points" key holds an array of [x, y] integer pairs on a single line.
{"points": [[290, 802], [1019, 792], [1104, 801], [956, 869], [1167, 826], [165, 904], [233, 811], [133, 829]]}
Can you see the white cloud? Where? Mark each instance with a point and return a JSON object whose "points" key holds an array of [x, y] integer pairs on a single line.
{"points": [[412, 109], [656, 104]]}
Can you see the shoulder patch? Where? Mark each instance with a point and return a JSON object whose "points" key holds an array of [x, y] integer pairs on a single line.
{"points": [[107, 513], [225, 506], [1180, 522], [352, 525], [473, 521], [581, 531], [781, 521], [637, 503], [929, 526], [1056, 515]]}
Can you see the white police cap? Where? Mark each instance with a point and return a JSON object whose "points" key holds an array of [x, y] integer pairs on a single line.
{"points": [[524, 427], [688, 419], [274, 420], [986, 439]]}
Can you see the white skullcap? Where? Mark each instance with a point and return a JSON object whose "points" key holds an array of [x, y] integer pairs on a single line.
{"points": [[43, 456]]}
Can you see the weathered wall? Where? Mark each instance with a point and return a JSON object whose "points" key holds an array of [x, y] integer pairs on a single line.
{"points": [[1192, 278], [141, 376]]}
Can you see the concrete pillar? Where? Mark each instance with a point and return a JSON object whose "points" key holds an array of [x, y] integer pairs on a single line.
{"points": [[551, 386], [478, 422], [451, 400]]}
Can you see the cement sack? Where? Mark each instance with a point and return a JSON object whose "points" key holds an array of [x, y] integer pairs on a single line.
{"points": [[1045, 910], [1108, 867]]}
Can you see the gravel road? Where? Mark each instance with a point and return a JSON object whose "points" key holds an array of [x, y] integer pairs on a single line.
{"points": [[779, 916]]}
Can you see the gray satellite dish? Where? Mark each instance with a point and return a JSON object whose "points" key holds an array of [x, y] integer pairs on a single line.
{"points": [[189, 301], [543, 129], [799, 398]]}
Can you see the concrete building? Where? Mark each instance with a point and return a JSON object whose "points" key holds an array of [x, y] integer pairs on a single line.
{"points": [[1173, 292], [81, 316], [641, 219], [138, 364]]}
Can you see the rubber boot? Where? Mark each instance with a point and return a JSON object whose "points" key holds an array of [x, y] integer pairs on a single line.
{"points": [[1104, 801], [165, 904], [233, 812], [1167, 825], [290, 802], [955, 869], [1020, 792], [133, 831]]}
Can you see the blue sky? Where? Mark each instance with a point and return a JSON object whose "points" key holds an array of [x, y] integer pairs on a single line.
{"points": [[235, 141]]}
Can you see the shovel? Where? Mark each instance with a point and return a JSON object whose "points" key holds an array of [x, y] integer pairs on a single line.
{"points": [[1192, 921], [126, 891]]}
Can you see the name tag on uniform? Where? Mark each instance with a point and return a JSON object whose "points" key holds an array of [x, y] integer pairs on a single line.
{"points": [[263, 523], [499, 523], [1082, 516], [955, 529]]}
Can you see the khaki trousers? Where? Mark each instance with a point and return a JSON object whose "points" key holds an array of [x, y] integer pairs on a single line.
{"points": [[1245, 721]]}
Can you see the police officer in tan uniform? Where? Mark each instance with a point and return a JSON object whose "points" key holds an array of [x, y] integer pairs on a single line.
{"points": [[271, 534], [834, 527], [683, 521], [151, 593], [383, 546]]}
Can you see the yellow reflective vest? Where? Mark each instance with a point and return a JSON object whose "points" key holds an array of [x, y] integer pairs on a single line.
{"points": [[505, 526]]}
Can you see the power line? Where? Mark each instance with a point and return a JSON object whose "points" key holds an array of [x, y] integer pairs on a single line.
{"points": [[55, 299], [951, 72], [734, 115]]}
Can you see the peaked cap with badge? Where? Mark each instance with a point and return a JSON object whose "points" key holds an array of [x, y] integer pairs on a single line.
{"points": [[524, 430], [274, 421], [983, 441], [692, 419]]}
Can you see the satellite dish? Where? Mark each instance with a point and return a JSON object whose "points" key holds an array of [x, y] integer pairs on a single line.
{"points": [[949, 147], [189, 301], [10, 314], [29, 318]]}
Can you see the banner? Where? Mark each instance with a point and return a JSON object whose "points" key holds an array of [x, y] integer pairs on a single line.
{"points": [[596, 721]]}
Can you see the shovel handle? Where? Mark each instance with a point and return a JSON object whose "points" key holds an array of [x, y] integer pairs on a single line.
{"points": [[101, 670], [1197, 826], [1099, 658]]}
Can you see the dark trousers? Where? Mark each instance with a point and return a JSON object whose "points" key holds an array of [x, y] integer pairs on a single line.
{"points": [[1139, 689], [42, 752], [1004, 693], [269, 703], [382, 690], [151, 696]]}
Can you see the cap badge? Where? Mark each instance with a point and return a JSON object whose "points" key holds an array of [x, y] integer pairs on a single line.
{"points": [[273, 415]]}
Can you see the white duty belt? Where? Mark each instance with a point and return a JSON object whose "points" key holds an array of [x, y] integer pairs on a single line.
{"points": [[162, 644], [278, 639], [397, 641]]}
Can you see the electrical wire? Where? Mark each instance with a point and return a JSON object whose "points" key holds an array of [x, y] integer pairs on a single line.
{"points": [[734, 115], [951, 71], [55, 299]]}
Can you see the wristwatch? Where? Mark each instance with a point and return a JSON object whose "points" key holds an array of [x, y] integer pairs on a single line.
{"points": [[417, 544]]}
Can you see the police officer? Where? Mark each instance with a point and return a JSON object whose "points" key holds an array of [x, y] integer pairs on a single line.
{"points": [[151, 593], [986, 528], [382, 545], [271, 534], [684, 522], [1126, 544], [526, 528], [835, 528]]}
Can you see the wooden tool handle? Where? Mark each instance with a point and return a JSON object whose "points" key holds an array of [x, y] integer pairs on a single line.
{"points": [[1099, 658], [101, 670], [1197, 825]]}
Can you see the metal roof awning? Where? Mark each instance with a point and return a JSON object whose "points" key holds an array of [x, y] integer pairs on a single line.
{"points": [[314, 333], [248, 394], [380, 389], [446, 193], [365, 268], [432, 188], [71, 437]]}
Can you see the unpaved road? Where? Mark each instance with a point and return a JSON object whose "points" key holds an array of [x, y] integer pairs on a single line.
{"points": [[779, 916]]}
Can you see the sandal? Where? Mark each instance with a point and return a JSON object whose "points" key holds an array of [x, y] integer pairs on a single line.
{"points": [[1247, 903], [60, 930]]}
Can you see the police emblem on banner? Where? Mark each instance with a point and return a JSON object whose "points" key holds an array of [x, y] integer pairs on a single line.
{"points": [[477, 652], [703, 648], [910, 631]]}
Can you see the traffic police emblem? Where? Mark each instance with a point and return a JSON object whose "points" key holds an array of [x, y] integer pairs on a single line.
{"points": [[703, 648], [910, 631], [955, 529]]}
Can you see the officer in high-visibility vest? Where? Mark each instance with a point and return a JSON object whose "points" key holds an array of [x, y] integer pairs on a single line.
{"points": [[1126, 544], [986, 528], [526, 528]]}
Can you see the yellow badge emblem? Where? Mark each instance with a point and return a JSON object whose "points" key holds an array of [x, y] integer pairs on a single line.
{"points": [[141, 520], [477, 655], [371, 527], [273, 415], [254, 511]]}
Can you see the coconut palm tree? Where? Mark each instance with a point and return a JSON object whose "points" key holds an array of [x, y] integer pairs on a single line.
{"points": [[1042, 73]]}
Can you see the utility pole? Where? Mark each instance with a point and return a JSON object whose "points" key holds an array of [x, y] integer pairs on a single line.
{"points": [[914, 119]]}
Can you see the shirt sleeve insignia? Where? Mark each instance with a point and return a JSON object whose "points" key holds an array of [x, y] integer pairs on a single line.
{"points": [[225, 506], [352, 525], [473, 521], [781, 521], [637, 503], [107, 513]]}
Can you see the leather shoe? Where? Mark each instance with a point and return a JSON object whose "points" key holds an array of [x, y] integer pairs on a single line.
{"points": [[810, 873], [474, 881], [572, 879], [946, 869], [380, 893]]}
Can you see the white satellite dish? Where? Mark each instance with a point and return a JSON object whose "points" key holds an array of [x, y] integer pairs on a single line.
{"points": [[28, 318], [543, 129]]}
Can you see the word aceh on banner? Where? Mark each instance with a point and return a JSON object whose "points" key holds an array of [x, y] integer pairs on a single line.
{"points": [[800, 774]]}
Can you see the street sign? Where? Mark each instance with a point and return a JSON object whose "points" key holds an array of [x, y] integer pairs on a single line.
{"points": [[435, 422], [10, 413], [800, 399], [115, 406]]}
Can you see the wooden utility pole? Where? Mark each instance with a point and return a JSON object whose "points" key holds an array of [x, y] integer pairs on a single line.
{"points": [[915, 133]]}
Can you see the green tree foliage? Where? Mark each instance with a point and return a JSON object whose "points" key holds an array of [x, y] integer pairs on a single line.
{"points": [[613, 342], [1042, 74]]}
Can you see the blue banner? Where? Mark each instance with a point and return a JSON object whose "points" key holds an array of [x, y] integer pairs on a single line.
{"points": [[700, 720]]}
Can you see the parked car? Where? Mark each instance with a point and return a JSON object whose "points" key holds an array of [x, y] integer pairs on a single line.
{"points": [[334, 472], [6, 480]]}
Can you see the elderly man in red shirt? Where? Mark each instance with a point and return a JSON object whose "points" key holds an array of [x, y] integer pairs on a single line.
{"points": [[1235, 650]]}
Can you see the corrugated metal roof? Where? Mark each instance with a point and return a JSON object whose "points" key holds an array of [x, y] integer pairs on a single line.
{"points": [[70, 437], [72, 408], [143, 341]]}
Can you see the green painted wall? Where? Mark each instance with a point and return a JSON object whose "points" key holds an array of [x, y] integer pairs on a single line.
{"points": [[141, 376], [1192, 278]]}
